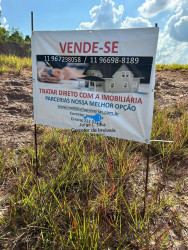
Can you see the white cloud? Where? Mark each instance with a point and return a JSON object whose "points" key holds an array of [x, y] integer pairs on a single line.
{"points": [[104, 16], [170, 46], [3, 20], [170, 51], [137, 22], [173, 39], [177, 25], [151, 8]]}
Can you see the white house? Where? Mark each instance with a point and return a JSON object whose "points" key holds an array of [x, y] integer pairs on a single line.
{"points": [[113, 77]]}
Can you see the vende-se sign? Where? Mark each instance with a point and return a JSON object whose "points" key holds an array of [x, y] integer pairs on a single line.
{"points": [[87, 47], [98, 81]]}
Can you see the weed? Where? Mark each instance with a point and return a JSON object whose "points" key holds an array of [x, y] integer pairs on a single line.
{"points": [[85, 197], [173, 67], [2, 70], [14, 64], [170, 125]]}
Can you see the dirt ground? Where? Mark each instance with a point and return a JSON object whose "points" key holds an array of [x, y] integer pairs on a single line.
{"points": [[16, 109], [16, 103]]}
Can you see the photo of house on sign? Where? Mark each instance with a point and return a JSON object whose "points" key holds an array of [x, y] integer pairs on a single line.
{"points": [[98, 77], [117, 78]]}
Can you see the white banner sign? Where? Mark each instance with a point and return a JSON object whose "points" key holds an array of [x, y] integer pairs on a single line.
{"points": [[98, 81]]}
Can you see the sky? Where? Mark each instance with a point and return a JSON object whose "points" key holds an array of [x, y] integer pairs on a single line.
{"points": [[171, 16]]}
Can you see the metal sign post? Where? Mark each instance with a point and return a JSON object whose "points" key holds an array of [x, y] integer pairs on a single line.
{"points": [[147, 172], [35, 125], [146, 180], [36, 151]]}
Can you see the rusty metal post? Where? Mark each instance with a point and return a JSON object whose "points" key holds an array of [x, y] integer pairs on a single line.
{"points": [[147, 171], [31, 21], [36, 152], [35, 125], [146, 180]]}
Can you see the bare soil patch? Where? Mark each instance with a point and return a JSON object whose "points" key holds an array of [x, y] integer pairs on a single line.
{"points": [[171, 87], [16, 109]]}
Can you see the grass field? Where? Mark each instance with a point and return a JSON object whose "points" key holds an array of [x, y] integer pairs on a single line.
{"points": [[14, 64], [90, 190]]}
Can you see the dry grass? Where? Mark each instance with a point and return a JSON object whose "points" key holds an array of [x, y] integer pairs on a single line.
{"points": [[90, 192], [14, 64]]}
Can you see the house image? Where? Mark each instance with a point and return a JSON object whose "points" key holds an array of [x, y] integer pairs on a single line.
{"points": [[113, 78]]}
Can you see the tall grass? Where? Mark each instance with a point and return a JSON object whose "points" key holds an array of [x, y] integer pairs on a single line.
{"points": [[89, 194], [173, 67], [170, 125], [13, 63]]}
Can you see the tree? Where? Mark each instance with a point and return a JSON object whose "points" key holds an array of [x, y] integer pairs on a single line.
{"points": [[27, 39], [4, 34], [16, 37]]}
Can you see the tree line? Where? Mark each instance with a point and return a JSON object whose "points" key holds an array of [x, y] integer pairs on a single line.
{"points": [[13, 36]]}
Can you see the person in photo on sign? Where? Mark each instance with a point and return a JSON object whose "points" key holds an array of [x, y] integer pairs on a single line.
{"points": [[55, 72]]}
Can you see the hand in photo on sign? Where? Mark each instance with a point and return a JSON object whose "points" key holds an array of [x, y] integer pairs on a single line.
{"points": [[55, 75], [47, 74]]}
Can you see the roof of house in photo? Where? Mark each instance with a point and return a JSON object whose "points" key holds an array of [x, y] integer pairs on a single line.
{"points": [[93, 78], [108, 70]]}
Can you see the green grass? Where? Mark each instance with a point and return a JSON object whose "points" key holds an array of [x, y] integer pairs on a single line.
{"points": [[173, 67], [170, 125], [14, 64], [90, 190]]}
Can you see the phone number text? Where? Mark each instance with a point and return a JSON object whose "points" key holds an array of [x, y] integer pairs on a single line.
{"points": [[92, 59]]}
